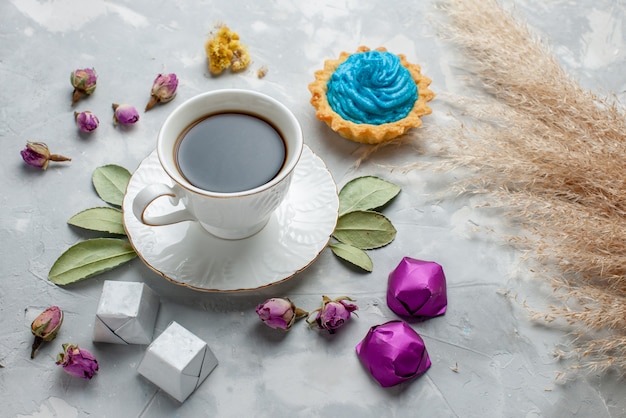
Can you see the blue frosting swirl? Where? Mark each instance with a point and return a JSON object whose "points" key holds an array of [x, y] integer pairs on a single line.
{"points": [[372, 87]]}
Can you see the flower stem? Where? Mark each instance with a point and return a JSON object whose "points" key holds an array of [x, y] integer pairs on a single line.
{"points": [[301, 313], [153, 101], [76, 96], [36, 344], [57, 157]]}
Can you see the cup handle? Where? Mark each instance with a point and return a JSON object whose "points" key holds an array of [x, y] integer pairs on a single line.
{"points": [[148, 195]]}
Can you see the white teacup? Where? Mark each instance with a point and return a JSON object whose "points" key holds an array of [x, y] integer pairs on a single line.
{"points": [[229, 215]]}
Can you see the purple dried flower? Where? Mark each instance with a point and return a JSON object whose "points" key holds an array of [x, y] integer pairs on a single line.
{"points": [[84, 82], [86, 121], [46, 326], [125, 114], [77, 361], [163, 89], [37, 154], [333, 313], [279, 313]]}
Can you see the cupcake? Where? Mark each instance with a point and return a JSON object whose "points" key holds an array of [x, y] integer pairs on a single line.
{"points": [[371, 96]]}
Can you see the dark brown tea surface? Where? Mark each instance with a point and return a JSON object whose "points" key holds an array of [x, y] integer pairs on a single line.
{"points": [[230, 152]]}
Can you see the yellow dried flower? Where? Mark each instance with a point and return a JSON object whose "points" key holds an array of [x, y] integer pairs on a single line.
{"points": [[240, 59], [227, 35], [219, 56], [262, 72], [225, 51]]}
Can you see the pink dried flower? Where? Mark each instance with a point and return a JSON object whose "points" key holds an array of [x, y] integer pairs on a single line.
{"points": [[86, 121], [125, 114], [333, 313], [279, 313], [77, 361], [84, 82], [46, 326], [163, 89], [37, 154]]}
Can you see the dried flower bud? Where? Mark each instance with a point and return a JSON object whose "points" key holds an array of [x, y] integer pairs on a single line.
{"points": [[86, 121], [125, 114], [163, 89], [46, 326], [279, 313], [84, 82], [333, 313], [77, 361], [38, 155]]}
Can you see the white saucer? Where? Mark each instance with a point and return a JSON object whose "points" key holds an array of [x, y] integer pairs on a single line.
{"points": [[186, 254]]}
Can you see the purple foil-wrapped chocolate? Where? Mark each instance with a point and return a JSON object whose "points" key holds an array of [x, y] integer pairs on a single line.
{"points": [[393, 353], [417, 288]]}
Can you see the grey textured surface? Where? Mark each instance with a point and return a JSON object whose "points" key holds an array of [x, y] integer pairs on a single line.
{"points": [[503, 361]]}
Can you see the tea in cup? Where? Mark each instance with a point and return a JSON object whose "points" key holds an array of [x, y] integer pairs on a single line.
{"points": [[230, 155]]}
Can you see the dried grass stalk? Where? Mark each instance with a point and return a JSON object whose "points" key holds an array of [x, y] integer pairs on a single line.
{"points": [[554, 154]]}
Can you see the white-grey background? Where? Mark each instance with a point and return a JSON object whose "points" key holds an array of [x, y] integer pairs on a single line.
{"points": [[502, 361]]}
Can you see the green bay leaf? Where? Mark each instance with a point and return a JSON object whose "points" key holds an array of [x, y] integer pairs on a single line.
{"points": [[110, 182], [103, 219], [89, 258], [364, 229], [366, 193], [352, 255]]}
